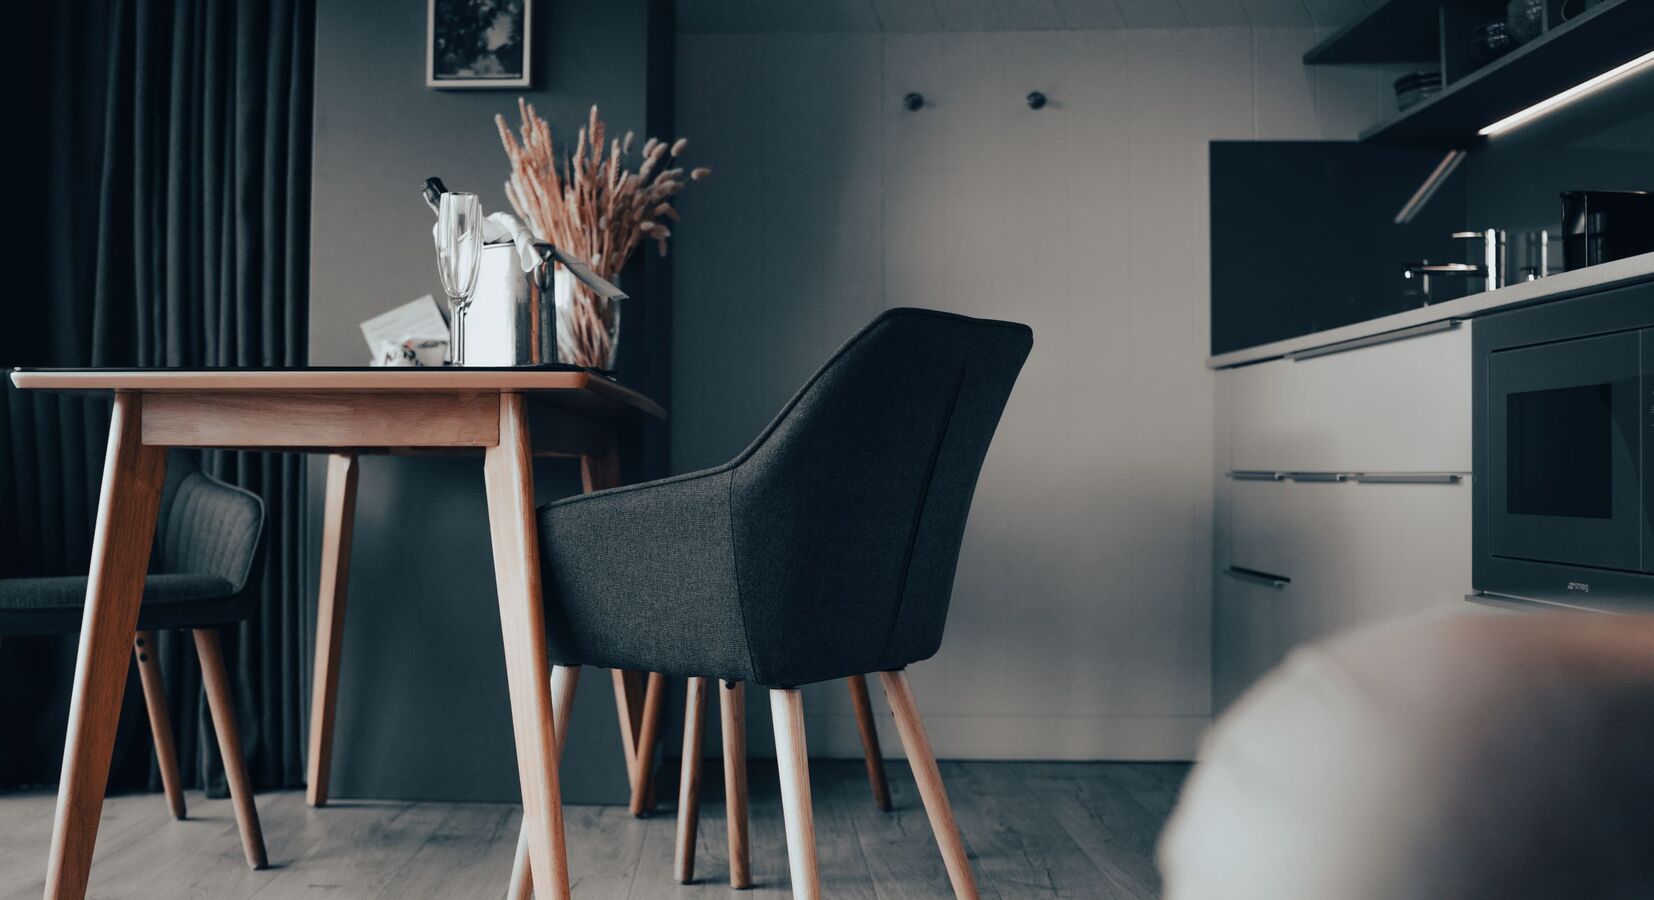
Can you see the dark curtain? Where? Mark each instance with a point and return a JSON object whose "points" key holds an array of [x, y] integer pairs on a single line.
{"points": [[171, 229]]}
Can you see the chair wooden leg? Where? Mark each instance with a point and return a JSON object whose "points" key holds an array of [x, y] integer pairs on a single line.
{"points": [[929, 777], [732, 713], [144, 649], [229, 745], [870, 741], [787, 709], [654, 700], [338, 518], [133, 475], [689, 783], [564, 679], [628, 689], [513, 532]]}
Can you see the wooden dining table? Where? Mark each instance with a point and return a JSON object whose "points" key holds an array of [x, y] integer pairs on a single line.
{"points": [[510, 416]]}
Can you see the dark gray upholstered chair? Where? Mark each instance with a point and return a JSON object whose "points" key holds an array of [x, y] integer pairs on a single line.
{"points": [[206, 550], [825, 550]]}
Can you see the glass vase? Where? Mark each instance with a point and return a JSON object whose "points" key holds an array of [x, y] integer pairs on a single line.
{"points": [[588, 327]]}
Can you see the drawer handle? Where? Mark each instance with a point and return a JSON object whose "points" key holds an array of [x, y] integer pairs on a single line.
{"points": [[1329, 477], [1254, 475], [1407, 478], [1253, 575]]}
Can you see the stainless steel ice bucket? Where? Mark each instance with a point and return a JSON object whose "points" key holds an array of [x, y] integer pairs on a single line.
{"points": [[511, 320]]}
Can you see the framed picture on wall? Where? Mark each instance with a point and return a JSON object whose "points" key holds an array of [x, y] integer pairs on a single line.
{"points": [[477, 43]]}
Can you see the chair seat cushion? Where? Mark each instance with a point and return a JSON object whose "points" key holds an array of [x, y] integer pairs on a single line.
{"points": [[55, 605]]}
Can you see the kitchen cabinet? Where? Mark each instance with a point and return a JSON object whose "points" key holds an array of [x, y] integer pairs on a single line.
{"points": [[1254, 622], [1401, 406], [1260, 524], [1344, 500], [1308, 559], [1368, 552]]}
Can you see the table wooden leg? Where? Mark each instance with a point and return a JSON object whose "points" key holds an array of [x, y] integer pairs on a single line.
{"points": [[510, 482], [338, 518], [600, 473], [564, 680], [133, 475]]}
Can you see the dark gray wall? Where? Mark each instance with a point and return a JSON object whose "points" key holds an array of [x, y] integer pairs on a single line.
{"points": [[423, 711]]}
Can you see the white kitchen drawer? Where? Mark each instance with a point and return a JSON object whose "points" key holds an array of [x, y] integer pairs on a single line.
{"points": [[1252, 623], [1260, 526], [1401, 406], [1368, 553], [1349, 554]]}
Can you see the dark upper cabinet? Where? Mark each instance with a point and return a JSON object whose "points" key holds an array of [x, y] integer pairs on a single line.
{"points": [[1304, 236]]}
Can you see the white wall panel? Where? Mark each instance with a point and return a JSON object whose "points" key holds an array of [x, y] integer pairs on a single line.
{"points": [[1283, 87], [1081, 618]]}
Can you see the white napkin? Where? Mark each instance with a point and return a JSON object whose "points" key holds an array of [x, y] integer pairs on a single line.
{"points": [[413, 334], [503, 227]]}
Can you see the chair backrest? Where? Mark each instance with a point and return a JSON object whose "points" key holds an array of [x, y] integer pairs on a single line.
{"points": [[848, 511], [204, 525]]}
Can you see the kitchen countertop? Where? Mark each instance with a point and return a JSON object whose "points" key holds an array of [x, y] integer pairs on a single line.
{"points": [[1563, 284]]}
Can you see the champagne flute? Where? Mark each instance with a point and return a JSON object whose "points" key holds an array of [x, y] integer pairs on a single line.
{"points": [[458, 251]]}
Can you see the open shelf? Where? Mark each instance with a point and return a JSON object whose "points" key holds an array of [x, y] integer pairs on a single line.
{"points": [[1400, 31], [1568, 53]]}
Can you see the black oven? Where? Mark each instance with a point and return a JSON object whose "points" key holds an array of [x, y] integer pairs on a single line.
{"points": [[1564, 451]]}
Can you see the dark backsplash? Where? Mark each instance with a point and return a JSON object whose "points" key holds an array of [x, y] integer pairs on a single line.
{"points": [[1303, 233], [1304, 237]]}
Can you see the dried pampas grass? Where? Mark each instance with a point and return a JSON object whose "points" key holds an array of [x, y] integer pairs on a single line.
{"points": [[592, 205]]}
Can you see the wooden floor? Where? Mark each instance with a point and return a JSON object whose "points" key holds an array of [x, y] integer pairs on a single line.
{"points": [[1034, 830]]}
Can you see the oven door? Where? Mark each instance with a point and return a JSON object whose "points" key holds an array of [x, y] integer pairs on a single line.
{"points": [[1564, 456]]}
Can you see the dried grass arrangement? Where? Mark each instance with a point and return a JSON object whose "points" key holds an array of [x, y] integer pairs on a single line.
{"points": [[595, 207]]}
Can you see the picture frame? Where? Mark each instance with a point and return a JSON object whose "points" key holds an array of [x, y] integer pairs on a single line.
{"points": [[478, 43]]}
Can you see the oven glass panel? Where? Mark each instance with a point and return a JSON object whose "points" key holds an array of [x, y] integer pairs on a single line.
{"points": [[1560, 454]]}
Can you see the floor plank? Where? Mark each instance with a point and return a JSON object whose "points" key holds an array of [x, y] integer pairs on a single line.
{"points": [[1108, 824], [1033, 830], [901, 855], [1021, 848]]}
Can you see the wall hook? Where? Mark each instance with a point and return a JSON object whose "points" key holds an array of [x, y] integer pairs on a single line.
{"points": [[1036, 100], [913, 101]]}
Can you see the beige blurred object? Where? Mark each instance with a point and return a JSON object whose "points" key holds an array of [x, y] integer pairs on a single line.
{"points": [[1467, 755]]}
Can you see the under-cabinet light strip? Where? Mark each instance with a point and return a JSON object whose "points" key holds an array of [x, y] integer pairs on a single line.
{"points": [[1573, 93]]}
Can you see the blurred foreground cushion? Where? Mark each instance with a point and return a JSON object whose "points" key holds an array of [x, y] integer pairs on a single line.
{"points": [[1473, 755]]}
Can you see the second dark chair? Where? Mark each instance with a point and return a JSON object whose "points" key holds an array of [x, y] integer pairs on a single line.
{"points": [[206, 552], [826, 550]]}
